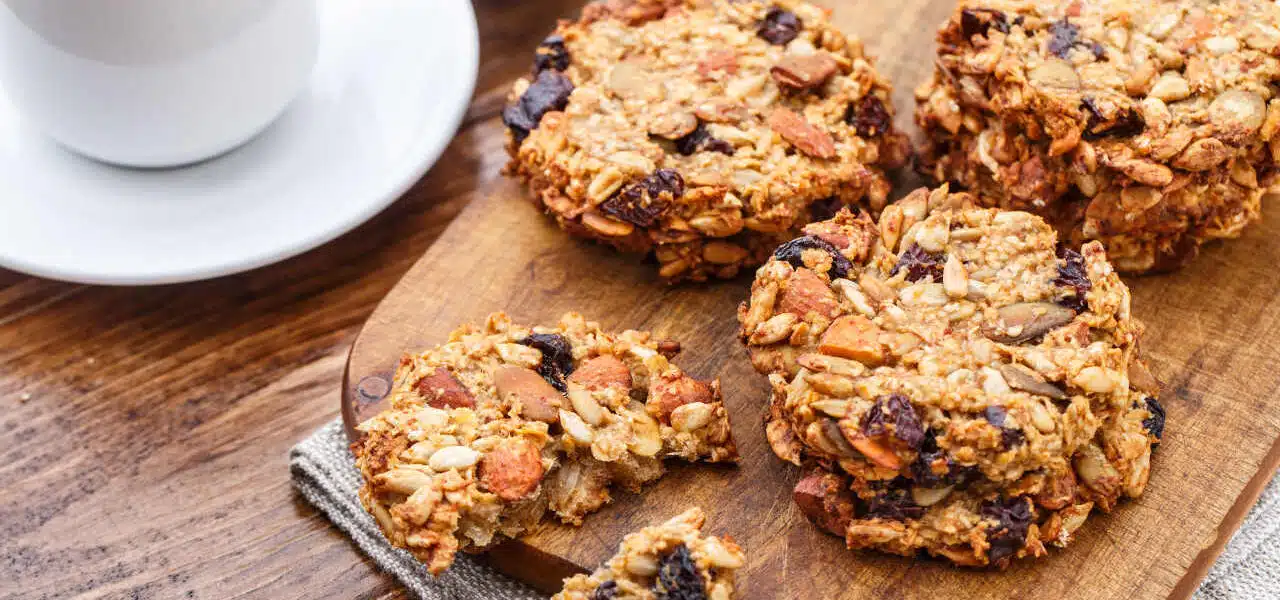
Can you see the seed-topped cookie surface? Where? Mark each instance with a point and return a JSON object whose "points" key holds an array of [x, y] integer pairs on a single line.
{"points": [[962, 384], [492, 429], [1150, 126], [705, 132], [668, 561]]}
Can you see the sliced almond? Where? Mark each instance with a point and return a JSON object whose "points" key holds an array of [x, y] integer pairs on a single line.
{"points": [[800, 133]]}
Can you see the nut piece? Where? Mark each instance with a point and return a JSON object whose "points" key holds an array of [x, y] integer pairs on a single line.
{"points": [[538, 400], [1021, 378], [453, 457], [442, 390], [512, 470], [602, 372], [825, 501], [692, 416], [806, 292], [668, 392], [854, 337], [954, 278], [802, 134], [804, 71], [1026, 321]]}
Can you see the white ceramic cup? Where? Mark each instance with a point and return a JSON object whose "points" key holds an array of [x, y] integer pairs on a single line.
{"points": [[155, 83]]}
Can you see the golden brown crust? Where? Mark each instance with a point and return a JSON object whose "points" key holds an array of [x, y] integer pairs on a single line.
{"points": [[691, 135], [1148, 126], [479, 442], [960, 383]]}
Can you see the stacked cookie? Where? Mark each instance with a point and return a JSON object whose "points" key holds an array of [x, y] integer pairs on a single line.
{"points": [[489, 431], [960, 383], [703, 133], [1150, 126]]}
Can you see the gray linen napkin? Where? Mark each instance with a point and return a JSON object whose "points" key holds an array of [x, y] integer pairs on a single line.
{"points": [[324, 472]]}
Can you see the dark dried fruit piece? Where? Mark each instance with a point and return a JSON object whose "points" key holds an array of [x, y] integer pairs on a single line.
{"points": [[894, 502], [678, 577], [1072, 275], [977, 21], [1013, 518], [793, 252], [924, 471], [919, 264], [608, 590], [1155, 423], [641, 203], [1063, 36], [1009, 437], [550, 91], [551, 54], [780, 27], [700, 140], [1127, 124], [895, 410], [825, 209], [869, 117], [557, 357]]}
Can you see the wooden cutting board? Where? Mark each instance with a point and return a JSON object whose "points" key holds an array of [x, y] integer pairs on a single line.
{"points": [[1212, 338]]}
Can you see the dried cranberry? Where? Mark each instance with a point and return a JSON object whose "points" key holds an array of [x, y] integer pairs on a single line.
{"points": [[895, 409], [1072, 275], [1013, 518], [557, 357], [894, 502], [1127, 124], [919, 264], [700, 140], [551, 54], [780, 27], [550, 91], [869, 118], [1009, 436], [1063, 36], [641, 203], [922, 469], [977, 21], [678, 577], [1155, 423], [607, 591], [793, 251]]}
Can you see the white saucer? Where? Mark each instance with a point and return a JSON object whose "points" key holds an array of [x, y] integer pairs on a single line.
{"points": [[391, 85]]}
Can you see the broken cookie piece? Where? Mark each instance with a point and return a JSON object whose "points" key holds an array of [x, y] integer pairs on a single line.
{"points": [[668, 561], [486, 433]]}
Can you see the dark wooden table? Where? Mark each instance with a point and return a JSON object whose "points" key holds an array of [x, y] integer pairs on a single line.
{"points": [[144, 432]]}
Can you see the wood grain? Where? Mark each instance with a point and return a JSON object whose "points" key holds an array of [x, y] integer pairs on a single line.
{"points": [[1212, 333], [144, 432]]}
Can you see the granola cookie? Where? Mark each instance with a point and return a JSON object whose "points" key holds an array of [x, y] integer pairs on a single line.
{"points": [[961, 383], [702, 131], [672, 560], [1150, 126], [489, 431]]}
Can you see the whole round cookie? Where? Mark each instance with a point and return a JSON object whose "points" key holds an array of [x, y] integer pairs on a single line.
{"points": [[1150, 126], [962, 384], [491, 430], [703, 132]]}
